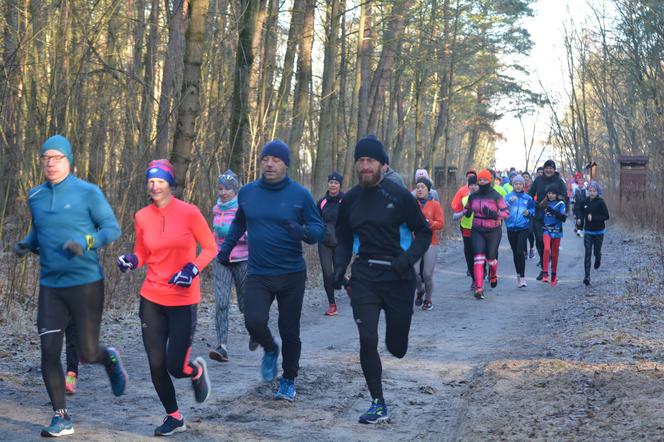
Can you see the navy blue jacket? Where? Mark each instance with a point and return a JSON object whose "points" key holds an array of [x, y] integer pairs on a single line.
{"points": [[264, 212]]}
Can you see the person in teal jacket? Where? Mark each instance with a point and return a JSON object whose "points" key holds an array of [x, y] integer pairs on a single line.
{"points": [[71, 220], [521, 207]]}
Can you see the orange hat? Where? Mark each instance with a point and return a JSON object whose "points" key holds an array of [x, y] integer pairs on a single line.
{"points": [[484, 174]]}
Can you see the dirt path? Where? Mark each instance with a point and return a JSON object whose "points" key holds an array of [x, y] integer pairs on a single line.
{"points": [[425, 391]]}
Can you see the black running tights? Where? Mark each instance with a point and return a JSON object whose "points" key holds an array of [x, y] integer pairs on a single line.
{"points": [[83, 305]]}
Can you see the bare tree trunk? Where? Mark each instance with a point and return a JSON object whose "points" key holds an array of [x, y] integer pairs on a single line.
{"points": [[149, 62], [266, 89], [391, 38], [325, 157], [302, 86], [363, 69], [172, 74], [189, 109], [60, 70], [294, 37], [239, 133]]}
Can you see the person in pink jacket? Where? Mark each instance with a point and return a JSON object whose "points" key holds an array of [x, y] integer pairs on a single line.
{"points": [[224, 212], [488, 209]]}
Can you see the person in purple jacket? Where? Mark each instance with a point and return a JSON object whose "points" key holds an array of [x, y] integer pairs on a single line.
{"points": [[224, 211]]}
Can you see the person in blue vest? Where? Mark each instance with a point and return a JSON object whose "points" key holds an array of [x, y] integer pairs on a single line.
{"points": [[521, 207], [71, 221], [279, 214]]}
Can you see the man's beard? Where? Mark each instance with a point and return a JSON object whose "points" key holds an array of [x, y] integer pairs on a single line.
{"points": [[369, 180]]}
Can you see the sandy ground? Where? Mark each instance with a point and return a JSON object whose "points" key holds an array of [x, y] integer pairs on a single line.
{"points": [[495, 369]]}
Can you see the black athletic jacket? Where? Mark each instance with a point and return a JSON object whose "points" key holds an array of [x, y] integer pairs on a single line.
{"points": [[375, 216], [538, 189], [329, 210], [600, 213]]}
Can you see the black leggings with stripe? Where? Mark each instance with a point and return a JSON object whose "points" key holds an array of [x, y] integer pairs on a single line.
{"points": [[81, 305], [168, 332]]}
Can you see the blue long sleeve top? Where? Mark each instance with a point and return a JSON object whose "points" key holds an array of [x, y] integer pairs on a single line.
{"points": [[517, 204], [74, 210], [265, 211]]}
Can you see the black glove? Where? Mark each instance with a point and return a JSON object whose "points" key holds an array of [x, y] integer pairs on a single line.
{"points": [[491, 214], [21, 249], [297, 231], [338, 278], [74, 247], [560, 216], [223, 259], [401, 265]]}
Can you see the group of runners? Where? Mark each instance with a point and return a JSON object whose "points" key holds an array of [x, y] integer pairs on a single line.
{"points": [[389, 233], [533, 212]]}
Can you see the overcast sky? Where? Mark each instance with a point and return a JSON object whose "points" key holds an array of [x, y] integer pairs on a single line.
{"points": [[545, 63]]}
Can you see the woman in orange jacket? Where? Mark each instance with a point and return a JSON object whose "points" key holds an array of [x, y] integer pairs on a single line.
{"points": [[424, 268], [167, 234]]}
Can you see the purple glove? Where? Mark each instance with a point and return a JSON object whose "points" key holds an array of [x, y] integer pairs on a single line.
{"points": [[297, 231], [184, 277], [127, 262]]}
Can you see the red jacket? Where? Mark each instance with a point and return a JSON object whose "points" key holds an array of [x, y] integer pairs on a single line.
{"points": [[457, 205], [434, 214], [166, 240]]}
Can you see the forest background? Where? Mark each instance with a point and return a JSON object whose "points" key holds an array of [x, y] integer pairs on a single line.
{"points": [[206, 83]]}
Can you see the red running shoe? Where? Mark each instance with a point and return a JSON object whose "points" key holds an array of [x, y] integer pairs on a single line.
{"points": [[331, 310]]}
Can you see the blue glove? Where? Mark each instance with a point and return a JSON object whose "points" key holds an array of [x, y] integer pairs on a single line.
{"points": [[223, 259], [297, 231], [184, 277], [127, 262]]}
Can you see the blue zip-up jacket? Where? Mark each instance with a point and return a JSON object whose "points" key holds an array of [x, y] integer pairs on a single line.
{"points": [[265, 210], [517, 204], [74, 210], [554, 217]]}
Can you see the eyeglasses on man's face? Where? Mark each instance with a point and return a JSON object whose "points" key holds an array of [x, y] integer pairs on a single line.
{"points": [[55, 159]]}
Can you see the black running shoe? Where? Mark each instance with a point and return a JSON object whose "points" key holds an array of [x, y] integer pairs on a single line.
{"points": [[201, 384], [598, 262], [219, 355], [170, 427], [586, 281], [540, 276], [253, 345]]}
